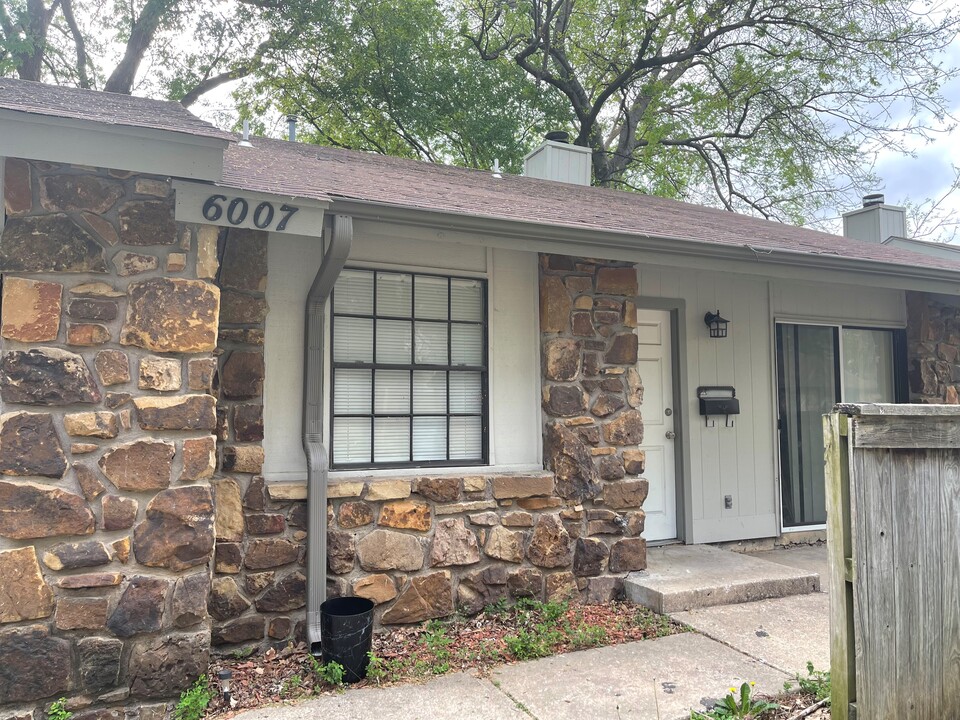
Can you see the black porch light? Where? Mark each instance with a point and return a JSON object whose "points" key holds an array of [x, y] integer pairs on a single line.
{"points": [[717, 324]]}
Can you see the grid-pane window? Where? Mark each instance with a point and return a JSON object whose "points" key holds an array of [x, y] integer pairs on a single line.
{"points": [[409, 370]]}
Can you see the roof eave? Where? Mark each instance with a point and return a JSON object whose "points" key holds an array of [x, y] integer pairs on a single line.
{"points": [[555, 238], [34, 136]]}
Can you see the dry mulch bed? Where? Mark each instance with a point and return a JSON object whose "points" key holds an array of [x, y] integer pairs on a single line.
{"points": [[794, 705], [498, 635]]}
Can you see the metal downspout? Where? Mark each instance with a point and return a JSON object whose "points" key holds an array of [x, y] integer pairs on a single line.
{"points": [[317, 469]]}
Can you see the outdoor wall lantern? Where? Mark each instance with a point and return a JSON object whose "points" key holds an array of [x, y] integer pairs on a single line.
{"points": [[717, 324]]}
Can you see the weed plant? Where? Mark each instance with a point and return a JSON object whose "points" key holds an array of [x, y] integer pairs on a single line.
{"points": [[331, 673], [737, 705], [816, 683], [194, 701], [58, 710]]}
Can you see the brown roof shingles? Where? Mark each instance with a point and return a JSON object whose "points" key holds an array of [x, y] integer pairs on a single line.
{"points": [[319, 172], [322, 173], [101, 107]]}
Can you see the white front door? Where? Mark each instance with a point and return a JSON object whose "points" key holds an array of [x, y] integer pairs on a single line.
{"points": [[655, 365]]}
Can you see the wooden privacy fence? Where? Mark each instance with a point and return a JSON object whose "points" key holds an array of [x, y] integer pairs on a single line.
{"points": [[893, 514]]}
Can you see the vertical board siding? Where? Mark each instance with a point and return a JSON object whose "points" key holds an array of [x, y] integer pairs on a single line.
{"points": [[829, 302], [904, 538], [737, 461]]}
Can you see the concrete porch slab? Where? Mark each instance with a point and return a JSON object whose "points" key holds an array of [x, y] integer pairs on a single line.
{"points": [[784, 633], [684, 577]]}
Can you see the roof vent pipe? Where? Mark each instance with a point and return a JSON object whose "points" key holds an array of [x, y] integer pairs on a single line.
{"points": [[873, 199], [561, 136], [292, 128], [334, 258], [245, 142]]}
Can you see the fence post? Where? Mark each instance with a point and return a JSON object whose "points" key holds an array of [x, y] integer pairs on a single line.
{"points": [[839, 549]]}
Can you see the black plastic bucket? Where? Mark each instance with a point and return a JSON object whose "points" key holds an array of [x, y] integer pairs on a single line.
{"points": [[346, 635]]}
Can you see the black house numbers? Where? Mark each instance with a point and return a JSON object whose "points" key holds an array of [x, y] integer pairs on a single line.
{"points": [[237, 210]]}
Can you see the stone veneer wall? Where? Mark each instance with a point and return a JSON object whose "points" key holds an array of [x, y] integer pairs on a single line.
{"points": [[109, 331], [933, 349], [592, 394], [420, 548]]}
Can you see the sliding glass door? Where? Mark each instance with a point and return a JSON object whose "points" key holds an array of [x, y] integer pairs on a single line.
{"points": [[818, 366]]}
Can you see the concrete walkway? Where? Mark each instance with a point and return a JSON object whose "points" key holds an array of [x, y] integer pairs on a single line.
{"points": [[766, 642]]}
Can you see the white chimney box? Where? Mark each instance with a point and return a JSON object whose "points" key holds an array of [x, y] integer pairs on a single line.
{"points": [[559, 161], [876, 221]]}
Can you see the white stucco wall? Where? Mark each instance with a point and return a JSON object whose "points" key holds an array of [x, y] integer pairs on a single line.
{"points": [[515, 438]]}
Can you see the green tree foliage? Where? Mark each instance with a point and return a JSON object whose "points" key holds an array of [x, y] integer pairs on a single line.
{"points": [[760, 105], [396, 77], [170, 48]]}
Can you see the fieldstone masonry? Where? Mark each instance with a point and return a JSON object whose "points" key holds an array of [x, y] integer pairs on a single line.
{"points": [[933, 349], [592, 395], [106, 453]]}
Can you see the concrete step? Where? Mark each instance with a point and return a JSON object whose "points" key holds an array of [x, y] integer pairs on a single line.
{"points": [[685, 577]]}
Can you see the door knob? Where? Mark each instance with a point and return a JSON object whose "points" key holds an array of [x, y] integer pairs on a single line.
{"points": [[671, 434]]}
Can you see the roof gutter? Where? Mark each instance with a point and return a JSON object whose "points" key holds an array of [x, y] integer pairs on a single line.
{"points": [[334, 257], [560, 238]]}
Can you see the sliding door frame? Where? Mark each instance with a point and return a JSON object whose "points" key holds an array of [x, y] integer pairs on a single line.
{"points": [[900, 386]]}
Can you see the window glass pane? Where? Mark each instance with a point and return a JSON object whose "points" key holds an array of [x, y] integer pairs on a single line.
{"points": [[392, 393], [466, 347], [352, 340], [465, 440], [391, 438], [807, 386], [351, 392], [466, 300], [868, 366], [429, 392], [394, 294], [353, 292], [408, 325], [351, 440], [430, 438], [431, 297], [465, 392], [393, 341], [431, 344]]}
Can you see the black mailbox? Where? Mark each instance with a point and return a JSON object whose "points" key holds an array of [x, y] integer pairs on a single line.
{"points": [[718, 400], [719, 406]]}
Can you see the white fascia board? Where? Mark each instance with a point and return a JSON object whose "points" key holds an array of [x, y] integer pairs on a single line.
{"points": [[304, 215], [747, 258], [115, 147]]}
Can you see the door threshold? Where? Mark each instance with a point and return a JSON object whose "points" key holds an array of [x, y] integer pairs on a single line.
{"points": [[661, 543]]}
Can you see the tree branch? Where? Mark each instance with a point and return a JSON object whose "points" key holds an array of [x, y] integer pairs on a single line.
{"points": [[144, 29], [79, 43]]}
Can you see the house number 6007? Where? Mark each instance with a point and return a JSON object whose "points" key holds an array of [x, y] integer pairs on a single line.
{"points": [[238, 209]]}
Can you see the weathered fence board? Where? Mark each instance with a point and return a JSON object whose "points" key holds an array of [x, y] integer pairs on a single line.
{"points": [[893, 489], [907, 432], [950, 564]]}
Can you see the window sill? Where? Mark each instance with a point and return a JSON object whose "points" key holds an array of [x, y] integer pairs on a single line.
{"points": [[351, 483]]}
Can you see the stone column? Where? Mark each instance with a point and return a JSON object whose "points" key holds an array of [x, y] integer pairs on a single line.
{"points": [[106, 515], [592, 395], [933, 349]]}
